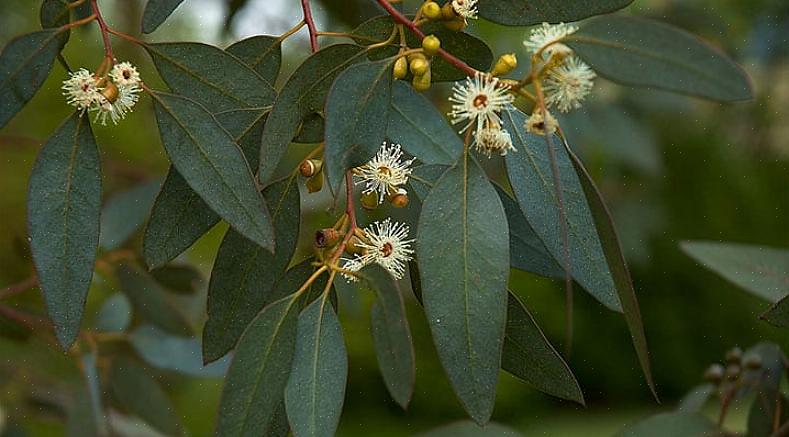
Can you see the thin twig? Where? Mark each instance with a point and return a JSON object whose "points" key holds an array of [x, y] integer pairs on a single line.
{"points": [[105, 33], [19, 287], [305, 7]]}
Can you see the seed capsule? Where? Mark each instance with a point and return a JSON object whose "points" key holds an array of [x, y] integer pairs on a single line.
{"points": [[431, 44], [369, 200], [310, 167], [400, 69], [752, 362], [432, 11], [110, 92], [505, 65], [733, 372], [714, 373], [399, 199], [327, 237], [734, 355]]}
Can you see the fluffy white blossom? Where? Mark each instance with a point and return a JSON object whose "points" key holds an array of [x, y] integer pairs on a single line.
{"points": [[352, 265], [539, 125], [545, 38], [387, 245], [125, 74], [492, 140], [81, 90], [116, 110], [477, 103], [385, 173], [567, 85], [465, 8]]}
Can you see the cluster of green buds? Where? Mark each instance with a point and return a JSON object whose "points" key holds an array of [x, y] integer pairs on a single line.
{"points": [[418, 63], [736, 367], [453, 14]]}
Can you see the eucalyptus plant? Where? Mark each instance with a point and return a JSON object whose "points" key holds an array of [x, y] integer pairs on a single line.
{"points": [[441, 198]]}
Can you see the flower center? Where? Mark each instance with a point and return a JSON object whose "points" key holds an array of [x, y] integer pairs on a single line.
{"points": [[386, 249], [480, 101], [384, 170], [126, 74]]}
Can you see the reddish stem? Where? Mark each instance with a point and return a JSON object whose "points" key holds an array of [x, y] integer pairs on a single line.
{"points": [[350, 210], [305, 7], [105, 30], [18, 287], [402, 19]]}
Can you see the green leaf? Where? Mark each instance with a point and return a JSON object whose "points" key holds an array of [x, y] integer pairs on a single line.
{"points": [[463, 256], [527, 251], [391, 335], [210, 76], [531, 357], [619, 271], [316, 387], [528, 12], [179, 216], [115, 314], [529, 170], [303, 95], [213, 165], [259, 372], [643, 52], [295, 278], [778, 313], [86, 415], [64, 203], [262, 53], [471, 429], [124, 213], [357, 111], [139, 393], [245, 274], [25, 64], [766, 382], [763, 271], [178, 278], [311, 130], [156, 11], [467, 48], [150, 301], [416, 124], [54, 14], [674, 425], [170, 352], [695, 399]]}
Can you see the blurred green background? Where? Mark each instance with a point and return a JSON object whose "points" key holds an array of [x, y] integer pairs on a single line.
{"points": [[671, 167]]}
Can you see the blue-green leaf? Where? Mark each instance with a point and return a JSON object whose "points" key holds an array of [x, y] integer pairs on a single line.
{"points": [[125, 212], [156, 11], [528, 12]]}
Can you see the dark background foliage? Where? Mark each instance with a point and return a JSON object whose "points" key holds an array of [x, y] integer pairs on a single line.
{"points": [[672, 168]]}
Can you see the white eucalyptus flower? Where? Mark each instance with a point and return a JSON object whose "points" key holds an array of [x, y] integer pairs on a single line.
{"points": [[116, 110], [125, 74], [352, 265], [81, 90], [545, 38], [567, 85], [539, 125], [388, 246], [465, 8], [385, 173], [478, 101], [492, 140]]}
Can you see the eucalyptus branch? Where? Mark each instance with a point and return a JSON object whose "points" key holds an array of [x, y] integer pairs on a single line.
{"points": [[105, 33], [305, 7]]}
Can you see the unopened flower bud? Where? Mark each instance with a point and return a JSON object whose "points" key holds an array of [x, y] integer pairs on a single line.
{"points": [[431, 44], [327, 237], [310, 167], [505, 65], [399, 199], [419, 66], [353, 246], [714, 373], [400, 69], [734, 355], [422, 83], [110, 92], [369, 200], [448, 12], [315, 183], [752, 362], [456, 24], [733, 372], [432, 11]]}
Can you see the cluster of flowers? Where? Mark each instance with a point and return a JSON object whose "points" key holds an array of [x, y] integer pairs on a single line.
{"points": [[566, 81], [465, 8], [109, 97]]}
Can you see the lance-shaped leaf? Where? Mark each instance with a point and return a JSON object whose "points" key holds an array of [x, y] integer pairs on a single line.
{"points": [[470, 49], [171, 352], [416, 124], [56, 13], [179, 216], [316, 388], [529, 170], [303, 94], [531, 357], [156, 11], [644, 52], [64, 203], [357, 112], [391, 334], [463, 255], [139, 393], [259, 372], [245, 274], [213, 165], [151, 301], [125, 212], [695, 399], [262, 53], [619, 271], [210, 76], [24, 65], [673, 424], [528, 12], [763, 271], [182, 278]]}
